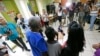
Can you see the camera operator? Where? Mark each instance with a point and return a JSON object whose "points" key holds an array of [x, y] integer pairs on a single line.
{"points": [[10, 30]]}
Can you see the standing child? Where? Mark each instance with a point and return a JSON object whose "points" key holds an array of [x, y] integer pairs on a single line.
{"points": [[54, 48]]}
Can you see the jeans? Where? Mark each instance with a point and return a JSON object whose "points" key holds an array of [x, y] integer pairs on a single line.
{"points": [[92, 20]]}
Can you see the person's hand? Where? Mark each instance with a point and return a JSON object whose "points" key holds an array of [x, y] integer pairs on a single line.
{"points": [[96, 46]]}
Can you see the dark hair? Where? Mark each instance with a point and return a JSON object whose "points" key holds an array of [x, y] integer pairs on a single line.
{"points": [[50, 33], [34, 24], [16, 18], [75, 37], [37, 13]]}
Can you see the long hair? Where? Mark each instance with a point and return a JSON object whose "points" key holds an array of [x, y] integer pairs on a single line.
{"points": [[75, 37]]}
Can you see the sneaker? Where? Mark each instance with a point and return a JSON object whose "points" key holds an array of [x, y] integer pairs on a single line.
{"points": [[27, 49], [98, 29]]}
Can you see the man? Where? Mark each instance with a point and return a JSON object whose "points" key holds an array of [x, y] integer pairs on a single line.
{"points": [[35, 39], [10, 30]]}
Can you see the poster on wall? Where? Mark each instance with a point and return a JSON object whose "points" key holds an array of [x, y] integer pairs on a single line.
{"points": [[2, 7]]}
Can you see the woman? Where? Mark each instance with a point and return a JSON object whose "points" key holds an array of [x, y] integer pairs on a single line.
{"points": [[75, 40], [93, 14], [45, 18]]}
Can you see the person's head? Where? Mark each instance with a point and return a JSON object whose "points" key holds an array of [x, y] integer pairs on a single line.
{"points": [[50, 33], [2, 21], [34, 24], [75, 36], [19, 16], [59, 4], [37, 13], [33, 13]]}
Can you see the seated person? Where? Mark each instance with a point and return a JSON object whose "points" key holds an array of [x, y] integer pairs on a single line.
{"points": [[3, 48], [54, 48]]}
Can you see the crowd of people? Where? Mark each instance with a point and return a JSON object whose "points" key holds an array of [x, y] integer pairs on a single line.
{"points": [[32, 30]]}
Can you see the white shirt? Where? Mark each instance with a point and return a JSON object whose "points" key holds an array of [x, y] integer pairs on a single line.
{"points": [[59, 13], [45, 17], [26, 24]]}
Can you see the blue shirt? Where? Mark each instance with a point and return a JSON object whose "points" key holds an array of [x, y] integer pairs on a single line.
{"points": [[12, 27], [37, 43]]}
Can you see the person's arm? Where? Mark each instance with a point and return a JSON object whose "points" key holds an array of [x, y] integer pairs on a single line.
{"points": [[42, 47]]}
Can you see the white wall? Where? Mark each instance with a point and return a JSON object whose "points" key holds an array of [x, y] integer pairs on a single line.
{"points": [[40, 6]]}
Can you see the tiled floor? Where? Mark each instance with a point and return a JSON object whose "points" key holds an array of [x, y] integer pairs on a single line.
{"points": [[90, 36]]}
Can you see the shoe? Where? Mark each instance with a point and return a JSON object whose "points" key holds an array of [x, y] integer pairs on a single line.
{"points": [[27, 49], [22, 49], [98, 29]]}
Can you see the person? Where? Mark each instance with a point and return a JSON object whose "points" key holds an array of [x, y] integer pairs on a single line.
{"points": [[64, 13], [81, 15], [97, 47], [21, 21], [45, 18], [71, 13], [3, 48], [10, 30], [54, 48], [22, 24], [59, 13], [93, 14], [99, 21], [87, 11], [75, 40], [35, 39], [16, 18]]}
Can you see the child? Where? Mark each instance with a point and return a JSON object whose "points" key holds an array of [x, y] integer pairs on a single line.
{"points": [[54, 48]]}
